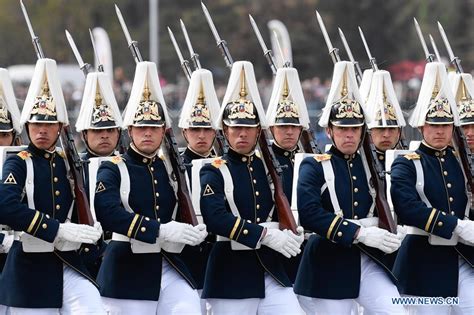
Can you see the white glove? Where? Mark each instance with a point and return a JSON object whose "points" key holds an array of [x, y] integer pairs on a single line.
{"points": [[297, 237], [177, 232], [78, 233], [201, 229], [401, 232], [368, 222], [7, 243], [281, 242], [465, 230], [378, 238], [98, 227]]}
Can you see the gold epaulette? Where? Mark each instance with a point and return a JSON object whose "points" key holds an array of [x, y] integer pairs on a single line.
{"points": [[322, 157], [258, 154], [455, 153], [412, 156], [24, 154], [218, 162], [162, 157], [61, 154], [116, 159]]}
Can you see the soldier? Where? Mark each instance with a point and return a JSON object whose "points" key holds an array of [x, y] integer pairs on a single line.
{"points": [[99, 122], [287, 115], [247, 252], [429, 196], [37, 202], [341, 262], [135, 199], [463, 88], [197, 121]]}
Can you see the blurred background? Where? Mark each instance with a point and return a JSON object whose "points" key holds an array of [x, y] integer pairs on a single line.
{"points": [[388, 27]]}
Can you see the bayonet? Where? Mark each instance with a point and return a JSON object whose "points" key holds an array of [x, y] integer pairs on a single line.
{"points": [[373, 62], [266, 52], [34, 38], [85, 67], [435, 48], [454, 60], [287, 63], [100, 65], [333, 52], [183, 62], [194, 56], [222, 44], [351, 57], [133, 45], [429, 57]]}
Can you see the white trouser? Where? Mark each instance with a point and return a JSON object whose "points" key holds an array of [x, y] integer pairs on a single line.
{"points": [[375, 295], [80, 296], [465, 294], [176, 297], [3, 309], [205, 307], [278, 300]]}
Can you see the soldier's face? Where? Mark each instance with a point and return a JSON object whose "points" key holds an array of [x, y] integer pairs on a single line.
{"points": [[102, 142], [469, 133], [385, 138], [200, 140], [286, 136], [6, 138], [346, 139], [44, 135], [242, 139], [147, 139], [437, 136]]}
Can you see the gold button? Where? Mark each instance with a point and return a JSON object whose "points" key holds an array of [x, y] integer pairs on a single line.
{"points": [[443, 213], [57, 193], [351, 165], [157, 194], [451, 199], [356, 217], [356, 203], [449, 185], [344, 223], [86, 249], [145, 160], [147, 219], [453, 213], [442, 159], [354, 177], [157, 207], [257, 193], [258, 207], [55, 179], [339, 233], [155, 181], [286, 153], [356, 189], [251, 169], [152, 169], [44, 226], [445, 173], [245, 232], [248, 221], [440, 223], [258, 220], [54, 164], [254, 181], [47, 216], [244, 159], [58, 207], [158, 219], [381, 157], [46, 155], [437, 153], [143, 229], [346, 156]]}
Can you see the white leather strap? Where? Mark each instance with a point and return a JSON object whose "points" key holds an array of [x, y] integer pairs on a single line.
{"points": [[330, 180]]}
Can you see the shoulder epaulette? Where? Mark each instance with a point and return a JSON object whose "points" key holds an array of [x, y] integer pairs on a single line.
{"points": [[162, 157], [116, 159], [322, 157], [218, 162], [258, 154], [455, 153], [61, 154], [24, 154], [412, 156]]}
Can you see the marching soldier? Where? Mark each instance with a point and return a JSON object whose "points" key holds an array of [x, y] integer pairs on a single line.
{"points": [[236, 204], [463, 88], [429, 195], [197, 121], [135, 199], [341, 262], [37, 202], [99, 122], [287, 115]]}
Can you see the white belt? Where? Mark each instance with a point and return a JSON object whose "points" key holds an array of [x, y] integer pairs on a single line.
{"points": [[235, 245], [139, 247], [120, 238], [416, 231], [433, 239], [33, 244]]}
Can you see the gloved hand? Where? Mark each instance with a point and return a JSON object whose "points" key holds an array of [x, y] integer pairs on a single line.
{"points": [[378, 238], [297, 237], [7, 242], [78, 233], [401, 232], [177, 232], [465, 230], [281, 242], [368, 222], [98, 227], [201, 228]]}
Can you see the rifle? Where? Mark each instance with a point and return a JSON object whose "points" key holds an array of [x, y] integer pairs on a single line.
{"points": [[186, 211], [465, 154], [285, 216], [307, 136], [377, 172], [67, 139]]}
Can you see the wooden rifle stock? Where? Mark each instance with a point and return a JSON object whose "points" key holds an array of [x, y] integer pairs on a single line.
{"points": [[285, 216], [77, 170], [186, 211], [386, 220], [466, 158], [307, 141]]}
